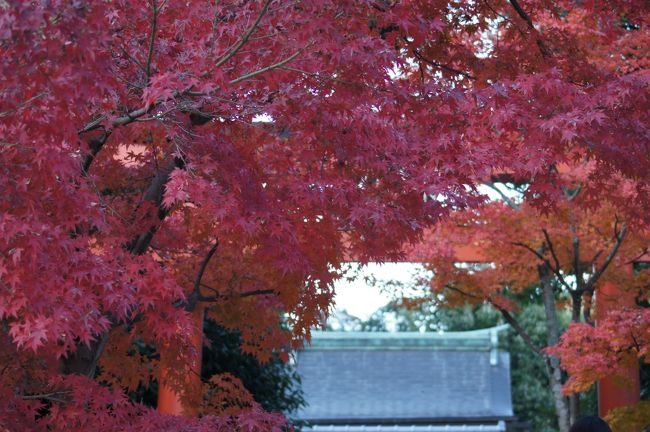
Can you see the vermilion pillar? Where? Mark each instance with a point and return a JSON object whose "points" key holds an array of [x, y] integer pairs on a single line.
{"points": [[623, 389], [169, 402]]}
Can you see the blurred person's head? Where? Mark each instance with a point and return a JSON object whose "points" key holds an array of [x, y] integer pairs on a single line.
{"points": [[590, 424]]}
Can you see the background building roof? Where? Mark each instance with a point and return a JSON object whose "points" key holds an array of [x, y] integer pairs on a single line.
{"points": [[415, 378]]}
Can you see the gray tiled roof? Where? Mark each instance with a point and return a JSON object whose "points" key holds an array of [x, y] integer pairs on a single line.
{"points": [[398, 380], [494, 427]]}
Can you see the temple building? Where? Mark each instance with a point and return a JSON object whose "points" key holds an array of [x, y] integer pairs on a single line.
{"points": [[416, 382]]}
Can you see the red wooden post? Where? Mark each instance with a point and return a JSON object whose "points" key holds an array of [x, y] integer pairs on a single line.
{"points": [[623, 389], [169, 402]]}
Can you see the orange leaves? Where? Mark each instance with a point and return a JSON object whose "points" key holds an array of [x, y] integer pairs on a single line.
{"points": [[225, 394], [590, 353]]}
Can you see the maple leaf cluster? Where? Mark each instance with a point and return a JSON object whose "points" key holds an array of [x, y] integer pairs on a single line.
{"points": [[166, 156]]}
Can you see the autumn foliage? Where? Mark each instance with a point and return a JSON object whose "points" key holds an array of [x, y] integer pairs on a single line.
{"points": [[583, 245], [163, 156]]}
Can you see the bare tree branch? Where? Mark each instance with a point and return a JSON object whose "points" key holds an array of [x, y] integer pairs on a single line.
{"points": [[152, 40], [246, 35], [49, 396]]}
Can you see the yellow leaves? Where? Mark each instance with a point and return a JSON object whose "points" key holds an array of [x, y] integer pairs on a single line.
{"points": [[630, 418]]}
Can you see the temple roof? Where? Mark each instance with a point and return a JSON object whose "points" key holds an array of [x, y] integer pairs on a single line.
{"points": [[404, 378]]}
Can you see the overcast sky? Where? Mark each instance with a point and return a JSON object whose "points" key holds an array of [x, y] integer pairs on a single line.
{"points": [[360, 299]]}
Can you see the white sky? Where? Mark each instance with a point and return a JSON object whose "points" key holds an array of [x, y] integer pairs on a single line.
{"points": [[361, 300]]}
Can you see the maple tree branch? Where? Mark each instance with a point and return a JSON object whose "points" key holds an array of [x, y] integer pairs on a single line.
{"points": [[504, 17], [508, 317], [592, 262], [244, 294], [246, 35], [215, 22], [505, 197], [528, 340], [133, 59], [271, 67], [619, 236], [541, 257], [466, 294], [84, 360], [98, 143], [549, 243], [256, 292], [129, 117], [21, 105], [522, 13], [443, 66], [152, 40], [556, 261], [95, 145], [49, 396], [638, 257], [533, 251], [196, 294], [154, 194]]}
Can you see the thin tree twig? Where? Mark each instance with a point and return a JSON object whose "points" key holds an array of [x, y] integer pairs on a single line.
{"points": [[443, 66], [270, 67], [133, 59], [50, 396], [522, 13], [246, 35], [21, 105]]}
